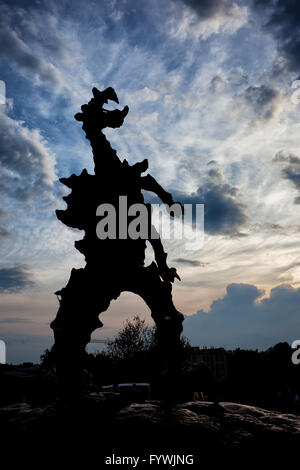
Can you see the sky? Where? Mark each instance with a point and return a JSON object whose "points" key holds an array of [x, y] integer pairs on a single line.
{"points": [[212, 90]]}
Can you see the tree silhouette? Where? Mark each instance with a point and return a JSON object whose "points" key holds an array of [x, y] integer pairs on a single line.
{"points": [[134, 338]]}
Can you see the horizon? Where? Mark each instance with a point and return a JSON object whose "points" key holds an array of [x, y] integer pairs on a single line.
{"points": [[199, 348]]}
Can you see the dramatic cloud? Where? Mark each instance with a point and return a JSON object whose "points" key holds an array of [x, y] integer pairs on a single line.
{"points": [[291, 171], [27, 167], [289, 158], [15, 278], [210, 8], [292, 174], [240, 319], [263, 100], [224, 214], [204, 18], [206, 109], [18, 54], [4, 232], [283, 20]]}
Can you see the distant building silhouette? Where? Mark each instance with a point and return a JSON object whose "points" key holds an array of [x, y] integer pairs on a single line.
{"points": [[217, 359]]}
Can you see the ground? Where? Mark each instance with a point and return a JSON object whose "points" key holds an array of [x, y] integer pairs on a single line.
{"points": [[104, 428]]}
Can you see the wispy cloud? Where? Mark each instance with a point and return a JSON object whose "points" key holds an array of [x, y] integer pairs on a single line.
{"points": [[189, 262], [15, 278], [18, 54]]}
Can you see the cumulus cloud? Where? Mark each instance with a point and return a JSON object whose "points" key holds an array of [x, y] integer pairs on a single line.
{"points": [[241, 319], [224, 213], [15, 278], [27, 167]]}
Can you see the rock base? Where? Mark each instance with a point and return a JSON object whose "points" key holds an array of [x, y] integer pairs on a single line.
{"points": [[101, 427]]}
